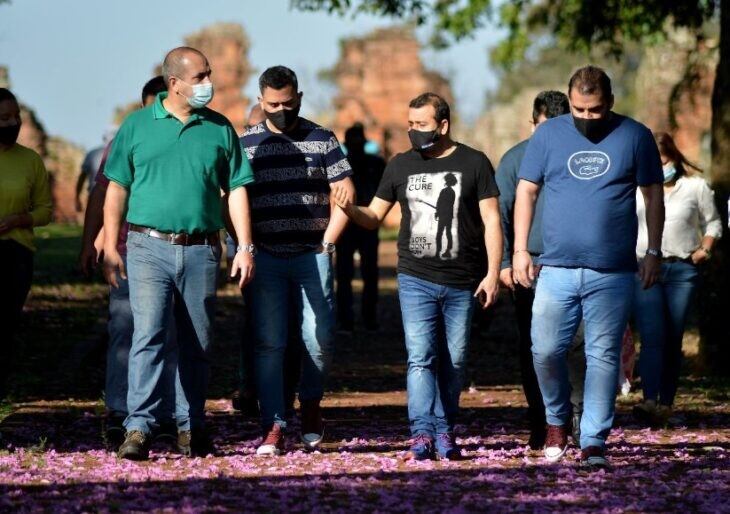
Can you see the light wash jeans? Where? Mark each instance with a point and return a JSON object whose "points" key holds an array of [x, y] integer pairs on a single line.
{"points": [[564, 297], [437, 325], [661, 313], [308, 278], [163, 276]]}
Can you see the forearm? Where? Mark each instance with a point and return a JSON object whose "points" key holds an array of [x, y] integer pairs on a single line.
{"points": [[240, 215], [337, 224], [494, 243], [524, 211], [94, 216], [654, 201], [115, 205], [708, 242], [80, 184]]}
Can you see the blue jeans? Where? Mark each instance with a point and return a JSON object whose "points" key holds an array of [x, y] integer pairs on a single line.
{"points": [[120, 327], [661, 313], [163, 277], [437, 325], [602, 300], [309, 278]]}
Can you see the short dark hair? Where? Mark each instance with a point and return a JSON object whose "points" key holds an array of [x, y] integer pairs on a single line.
{"points": [[550, 104], [153, 87], [590, 80], [441, 106], [278, 77], [6, 94]]}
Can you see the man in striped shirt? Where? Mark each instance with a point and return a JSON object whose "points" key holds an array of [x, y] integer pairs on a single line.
{"points": [[295, 163]]}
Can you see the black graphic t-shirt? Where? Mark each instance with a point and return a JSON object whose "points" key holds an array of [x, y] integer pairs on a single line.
{"points": [[441, 235]]}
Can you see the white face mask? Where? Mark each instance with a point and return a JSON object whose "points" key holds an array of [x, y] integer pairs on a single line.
{"points": [[202, 94], [669, 172]]}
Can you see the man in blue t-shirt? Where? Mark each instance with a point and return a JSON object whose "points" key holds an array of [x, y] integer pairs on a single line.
{"points": [[295, 163], [588, 165]]}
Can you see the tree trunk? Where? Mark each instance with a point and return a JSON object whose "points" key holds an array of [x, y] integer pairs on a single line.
{"points": [[715, 300]]}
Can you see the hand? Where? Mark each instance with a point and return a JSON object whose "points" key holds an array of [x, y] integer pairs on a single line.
{"points": [[649, 269], [343, 197], [8, 223], [487, 290], [523, 269], [243, 262], [505, 278], [699, 256], [113, 264], [88, 258]]}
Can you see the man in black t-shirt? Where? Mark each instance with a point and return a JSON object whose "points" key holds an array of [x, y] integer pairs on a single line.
{"points": [[445, 190]]}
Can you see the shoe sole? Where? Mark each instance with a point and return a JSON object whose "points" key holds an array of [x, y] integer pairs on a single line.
{"points": [[558, 457], [267, 453]]}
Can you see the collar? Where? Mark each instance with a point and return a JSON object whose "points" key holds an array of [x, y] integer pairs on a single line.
{"points": [[159, 112]]}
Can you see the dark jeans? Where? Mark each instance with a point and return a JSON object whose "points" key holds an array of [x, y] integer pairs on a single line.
{"points": [[16, 274], [366, 243], [523, 298]]}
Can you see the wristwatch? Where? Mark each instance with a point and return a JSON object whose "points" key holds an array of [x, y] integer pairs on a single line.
{"points": [[249, 248], [654, 252], [328, 247]]}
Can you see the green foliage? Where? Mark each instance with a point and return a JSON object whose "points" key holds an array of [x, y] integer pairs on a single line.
{"points": [[578, 25]]}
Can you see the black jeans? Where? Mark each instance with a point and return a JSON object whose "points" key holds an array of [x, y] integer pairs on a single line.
{"points": [[16, 275], [366, 243], [523, 298]]}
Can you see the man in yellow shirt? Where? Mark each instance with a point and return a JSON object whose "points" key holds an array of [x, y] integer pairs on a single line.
{"points": [[25, 202]]}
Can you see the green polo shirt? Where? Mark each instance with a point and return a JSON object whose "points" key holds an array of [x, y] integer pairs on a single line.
{"points": [[174, 172]]}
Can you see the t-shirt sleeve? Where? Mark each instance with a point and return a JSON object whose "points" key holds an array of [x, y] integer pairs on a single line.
{"points": [[486, 185], [648, 162], [119, 165], [240, 172], [386, 189], [532, 167], [335, 163]]}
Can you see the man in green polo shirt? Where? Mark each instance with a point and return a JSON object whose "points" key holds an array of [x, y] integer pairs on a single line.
{"points": [[167, 167]]}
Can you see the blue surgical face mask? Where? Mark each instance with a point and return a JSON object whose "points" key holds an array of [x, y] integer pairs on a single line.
{"points": [[669, 172], [202, 94]]}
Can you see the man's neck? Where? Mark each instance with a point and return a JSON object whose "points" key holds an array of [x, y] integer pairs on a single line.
{"points": [[177, 106], [443, 148]]}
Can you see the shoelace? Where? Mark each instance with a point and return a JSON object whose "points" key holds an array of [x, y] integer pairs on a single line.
{"points": [[422, 439]]}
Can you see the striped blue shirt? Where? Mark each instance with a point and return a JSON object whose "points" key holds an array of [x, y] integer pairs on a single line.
{"points": [[290, 207]]}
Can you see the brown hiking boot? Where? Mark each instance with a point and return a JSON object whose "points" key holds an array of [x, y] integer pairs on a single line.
{"points": [[273, 443], [195, 443], [556, 442], [136, 446], [312, 425]]}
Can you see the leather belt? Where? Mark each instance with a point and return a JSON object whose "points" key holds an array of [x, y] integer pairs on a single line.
{"points": [[183, 239], [670, 260]]}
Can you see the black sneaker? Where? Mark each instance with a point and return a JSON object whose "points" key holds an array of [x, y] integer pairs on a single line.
{"points": [[167, 432], [195, 443], [594, 458], [537, 437], [114, 430], [136, 446]]}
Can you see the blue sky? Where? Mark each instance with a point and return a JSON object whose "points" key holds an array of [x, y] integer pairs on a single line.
{"points": [[74, 61]]}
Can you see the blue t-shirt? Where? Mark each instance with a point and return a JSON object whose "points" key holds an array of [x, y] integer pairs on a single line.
{"points": [[589, 219]]}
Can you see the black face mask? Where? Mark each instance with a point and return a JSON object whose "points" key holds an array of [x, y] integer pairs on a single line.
{"points": [[594, 129], [9, 134], [423, 141], [284, 118]]}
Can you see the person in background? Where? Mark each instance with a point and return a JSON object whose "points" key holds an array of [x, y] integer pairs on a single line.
{"points": [[437, 179], [547, 104], [25, 202], [120, 325], [691, 228], [89, 167], [367, 171]]}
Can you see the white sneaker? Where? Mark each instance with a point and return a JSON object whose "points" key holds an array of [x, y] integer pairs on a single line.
{"points": [[556, 443]]}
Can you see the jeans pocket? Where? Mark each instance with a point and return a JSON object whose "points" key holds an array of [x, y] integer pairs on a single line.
{"points": [[215, 251]]}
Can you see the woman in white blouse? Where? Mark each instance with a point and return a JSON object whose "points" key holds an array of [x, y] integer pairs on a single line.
{"points": [[692, 225]]}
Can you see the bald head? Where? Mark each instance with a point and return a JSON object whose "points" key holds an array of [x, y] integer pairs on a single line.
{"points": [[256, 115], [180, 62]]}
